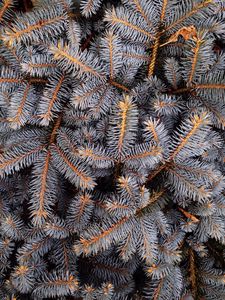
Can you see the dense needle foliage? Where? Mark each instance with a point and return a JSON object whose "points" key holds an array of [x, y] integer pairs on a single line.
{"points": [[112, 150]]}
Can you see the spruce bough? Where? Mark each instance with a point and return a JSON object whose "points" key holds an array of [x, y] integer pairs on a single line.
{"points": [[112, 157]]}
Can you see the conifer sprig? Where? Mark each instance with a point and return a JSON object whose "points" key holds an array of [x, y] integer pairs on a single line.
{"points": [[112, 122]]}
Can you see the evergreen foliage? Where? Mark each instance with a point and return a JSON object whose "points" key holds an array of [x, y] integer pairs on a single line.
{"points": [[112, 151]]}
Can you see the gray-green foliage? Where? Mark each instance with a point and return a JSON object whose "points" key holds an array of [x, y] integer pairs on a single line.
{"points": [[112, 150]]}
